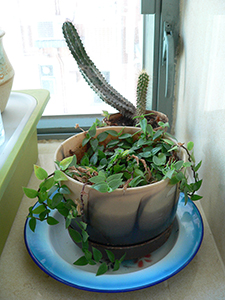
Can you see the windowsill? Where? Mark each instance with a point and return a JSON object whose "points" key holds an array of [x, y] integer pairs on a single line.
{"points": [[62, 127]]}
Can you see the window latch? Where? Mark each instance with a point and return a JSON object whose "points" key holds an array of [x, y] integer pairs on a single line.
{"points": [[168, 58]]}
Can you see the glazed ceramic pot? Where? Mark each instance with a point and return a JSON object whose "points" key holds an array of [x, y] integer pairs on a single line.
{"points": [[122, 218], [6, 75]]}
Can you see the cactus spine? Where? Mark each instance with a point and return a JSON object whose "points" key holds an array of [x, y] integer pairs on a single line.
{"points": [[93, 76], [142, 88]]}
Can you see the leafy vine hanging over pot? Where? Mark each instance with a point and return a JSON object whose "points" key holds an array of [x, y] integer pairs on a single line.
{"points": [[126, 161]]}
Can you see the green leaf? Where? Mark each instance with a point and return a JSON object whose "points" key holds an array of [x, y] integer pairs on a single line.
{"points": [[114, 181], [94, 144], [59, 176], [63, 211], [196, 185], [64, 190], [114, 184], [49, 202], [102, 136], [85, 160], [92, 130], [94, 158], [52, 221], [157, 134], [170, 142], [118, 262], [187, 164], [163, 125], [96, 254], [196, 168], [32, 223], [75, 235], [40, 173], [83, 225], [196, 197], [190, 146], [68, 220], [39, 209], [101, 187], [169, 174], [156, 149], [56, 199], [116, 265], [42, 196], [84, 236], [122, 258], [88, 255], [143, 125], [97, 179], [112, 143], [112, 132], [30, 193], [85, 245], [103, 268], [173, 148], [64, 164], [146, 154], [136, 181], [125, 136], [160, 159], [43, 214], [85, 141], [82, 261], [178, 165], [52, 190], [174, 180], [48, 183], [192, 157], [150, 130], [110, 255]]}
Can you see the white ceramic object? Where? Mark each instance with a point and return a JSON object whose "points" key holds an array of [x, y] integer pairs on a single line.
{"points": [[19, 110], [6, 75], [122, 217]]}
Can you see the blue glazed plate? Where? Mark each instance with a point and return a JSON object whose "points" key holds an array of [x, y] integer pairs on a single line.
{"points": [[54, 252]]}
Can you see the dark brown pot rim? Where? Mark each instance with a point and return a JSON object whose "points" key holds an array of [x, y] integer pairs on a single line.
{"points": [[132, 251], [153, 118]]}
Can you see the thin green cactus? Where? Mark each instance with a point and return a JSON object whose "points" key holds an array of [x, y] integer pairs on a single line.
{"points": [[142, 88], [93, 76]]}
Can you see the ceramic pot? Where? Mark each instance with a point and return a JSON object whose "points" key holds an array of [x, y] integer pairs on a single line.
{"points": [[153, 118], [6, 75], [122, 218]]}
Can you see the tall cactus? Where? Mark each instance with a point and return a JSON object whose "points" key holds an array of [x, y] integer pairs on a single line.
{"points": [[93, 76], [142, 88]]}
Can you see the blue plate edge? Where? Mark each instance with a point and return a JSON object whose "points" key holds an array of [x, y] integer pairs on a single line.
{"points": [[135, 288]]}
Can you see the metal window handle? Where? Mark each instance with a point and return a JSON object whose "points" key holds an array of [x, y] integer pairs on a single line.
{"points": [[168, 59]]}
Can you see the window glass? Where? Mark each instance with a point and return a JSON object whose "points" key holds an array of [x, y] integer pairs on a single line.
{"points": [[111, 32]]}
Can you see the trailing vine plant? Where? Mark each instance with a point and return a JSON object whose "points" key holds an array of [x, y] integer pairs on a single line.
{"points": [[128, 160]]}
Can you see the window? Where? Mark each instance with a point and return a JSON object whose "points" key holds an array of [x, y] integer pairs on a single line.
{"points": [[117, 36]]}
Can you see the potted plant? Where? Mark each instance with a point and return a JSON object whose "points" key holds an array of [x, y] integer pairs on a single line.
{"points": [[95, 79], [118, 189]]}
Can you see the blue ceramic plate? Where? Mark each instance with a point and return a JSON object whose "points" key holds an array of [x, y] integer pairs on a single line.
{"points": [[54, 252]]}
